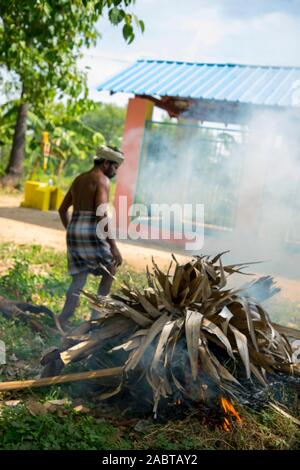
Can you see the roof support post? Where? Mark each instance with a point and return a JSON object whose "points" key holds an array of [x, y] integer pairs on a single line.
{"points": [[138, 112]]}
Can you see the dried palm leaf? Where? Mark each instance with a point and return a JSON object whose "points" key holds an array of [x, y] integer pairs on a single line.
{"points": [[189, 323]]}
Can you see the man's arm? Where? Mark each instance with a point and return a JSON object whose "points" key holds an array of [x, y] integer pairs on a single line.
{"points": [[102, 198], [63, 210]]}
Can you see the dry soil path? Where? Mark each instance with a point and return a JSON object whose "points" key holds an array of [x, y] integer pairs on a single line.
{"points": [[29, 226]]}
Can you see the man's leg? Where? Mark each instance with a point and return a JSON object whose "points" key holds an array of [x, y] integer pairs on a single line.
{"points": [[106, 281], [72, 299], [104, 287]]}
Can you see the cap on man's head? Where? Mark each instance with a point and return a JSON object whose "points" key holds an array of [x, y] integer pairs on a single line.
{"points": [[113, 154]]}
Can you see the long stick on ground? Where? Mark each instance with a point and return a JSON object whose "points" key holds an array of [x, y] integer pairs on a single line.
{"points": [[284, 413], [59, 379]]}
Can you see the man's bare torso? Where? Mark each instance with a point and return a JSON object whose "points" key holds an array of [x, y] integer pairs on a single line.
{"points": [[84, 190]]}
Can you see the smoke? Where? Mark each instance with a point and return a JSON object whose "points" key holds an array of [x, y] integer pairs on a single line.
{"points": [[246, 177], [267, 223]]}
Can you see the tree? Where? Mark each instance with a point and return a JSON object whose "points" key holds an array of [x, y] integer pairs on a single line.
{"points": [[108, 119], [40, 43], [72, 142], [73, 138]]}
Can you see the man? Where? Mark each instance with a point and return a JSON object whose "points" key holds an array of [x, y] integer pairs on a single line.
{"points": [[88, 253]]}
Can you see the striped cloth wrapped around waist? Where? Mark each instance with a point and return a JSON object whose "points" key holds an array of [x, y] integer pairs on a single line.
{"points": [[86, 251]]}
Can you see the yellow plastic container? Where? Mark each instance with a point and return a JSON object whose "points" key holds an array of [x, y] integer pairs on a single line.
{"points": [[29, 193], [56, 198], [41, 196]]}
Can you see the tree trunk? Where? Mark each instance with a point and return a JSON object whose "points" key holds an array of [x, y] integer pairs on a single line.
{"points": [[14, 170]]}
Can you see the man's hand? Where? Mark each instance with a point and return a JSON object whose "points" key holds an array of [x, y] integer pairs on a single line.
{"points": [[63, 210], [118, 260]]}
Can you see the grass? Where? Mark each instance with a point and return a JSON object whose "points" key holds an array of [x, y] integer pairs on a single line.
{"points": [[39, 275], [72, 430], [19, 430]]}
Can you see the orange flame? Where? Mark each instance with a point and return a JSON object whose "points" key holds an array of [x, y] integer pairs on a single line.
{"points": [[229, 410], [178, 402]]}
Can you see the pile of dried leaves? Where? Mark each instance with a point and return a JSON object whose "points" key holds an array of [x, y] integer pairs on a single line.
{"points": [[185, 330]]}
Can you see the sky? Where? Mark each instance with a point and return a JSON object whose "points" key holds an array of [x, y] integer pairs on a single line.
{"points": [[261, 32]]}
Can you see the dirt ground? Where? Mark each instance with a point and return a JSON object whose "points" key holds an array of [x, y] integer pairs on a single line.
{"points": [[29, 226]]}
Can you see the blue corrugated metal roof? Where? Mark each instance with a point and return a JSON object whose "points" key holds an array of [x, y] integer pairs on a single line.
{"points": [[252, 84]]}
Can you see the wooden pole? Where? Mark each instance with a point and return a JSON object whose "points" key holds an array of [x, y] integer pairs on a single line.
{"points": [[59, 379]]}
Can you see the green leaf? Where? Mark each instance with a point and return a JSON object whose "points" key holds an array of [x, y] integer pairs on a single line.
{"points": [[131, 39], [142, 25], [127, 31], [128, 19], [115, 16]]}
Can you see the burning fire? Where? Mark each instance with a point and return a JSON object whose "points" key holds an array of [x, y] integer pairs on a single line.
{"points": [[229, 410]]}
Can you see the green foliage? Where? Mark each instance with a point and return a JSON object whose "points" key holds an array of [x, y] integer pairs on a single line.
{"points": [[41, 43], [8, 115], [21, 341], [72, 431], [73, 139], [36, 275], [72, 142], [40, 276], [21, 431], [107, 119], [20, 282]]}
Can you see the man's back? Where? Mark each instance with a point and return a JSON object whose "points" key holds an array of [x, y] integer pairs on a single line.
{"points": [[84, 189]]}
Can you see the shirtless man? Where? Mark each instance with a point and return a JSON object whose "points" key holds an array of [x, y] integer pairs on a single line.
{"points": [[87, 253]]}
